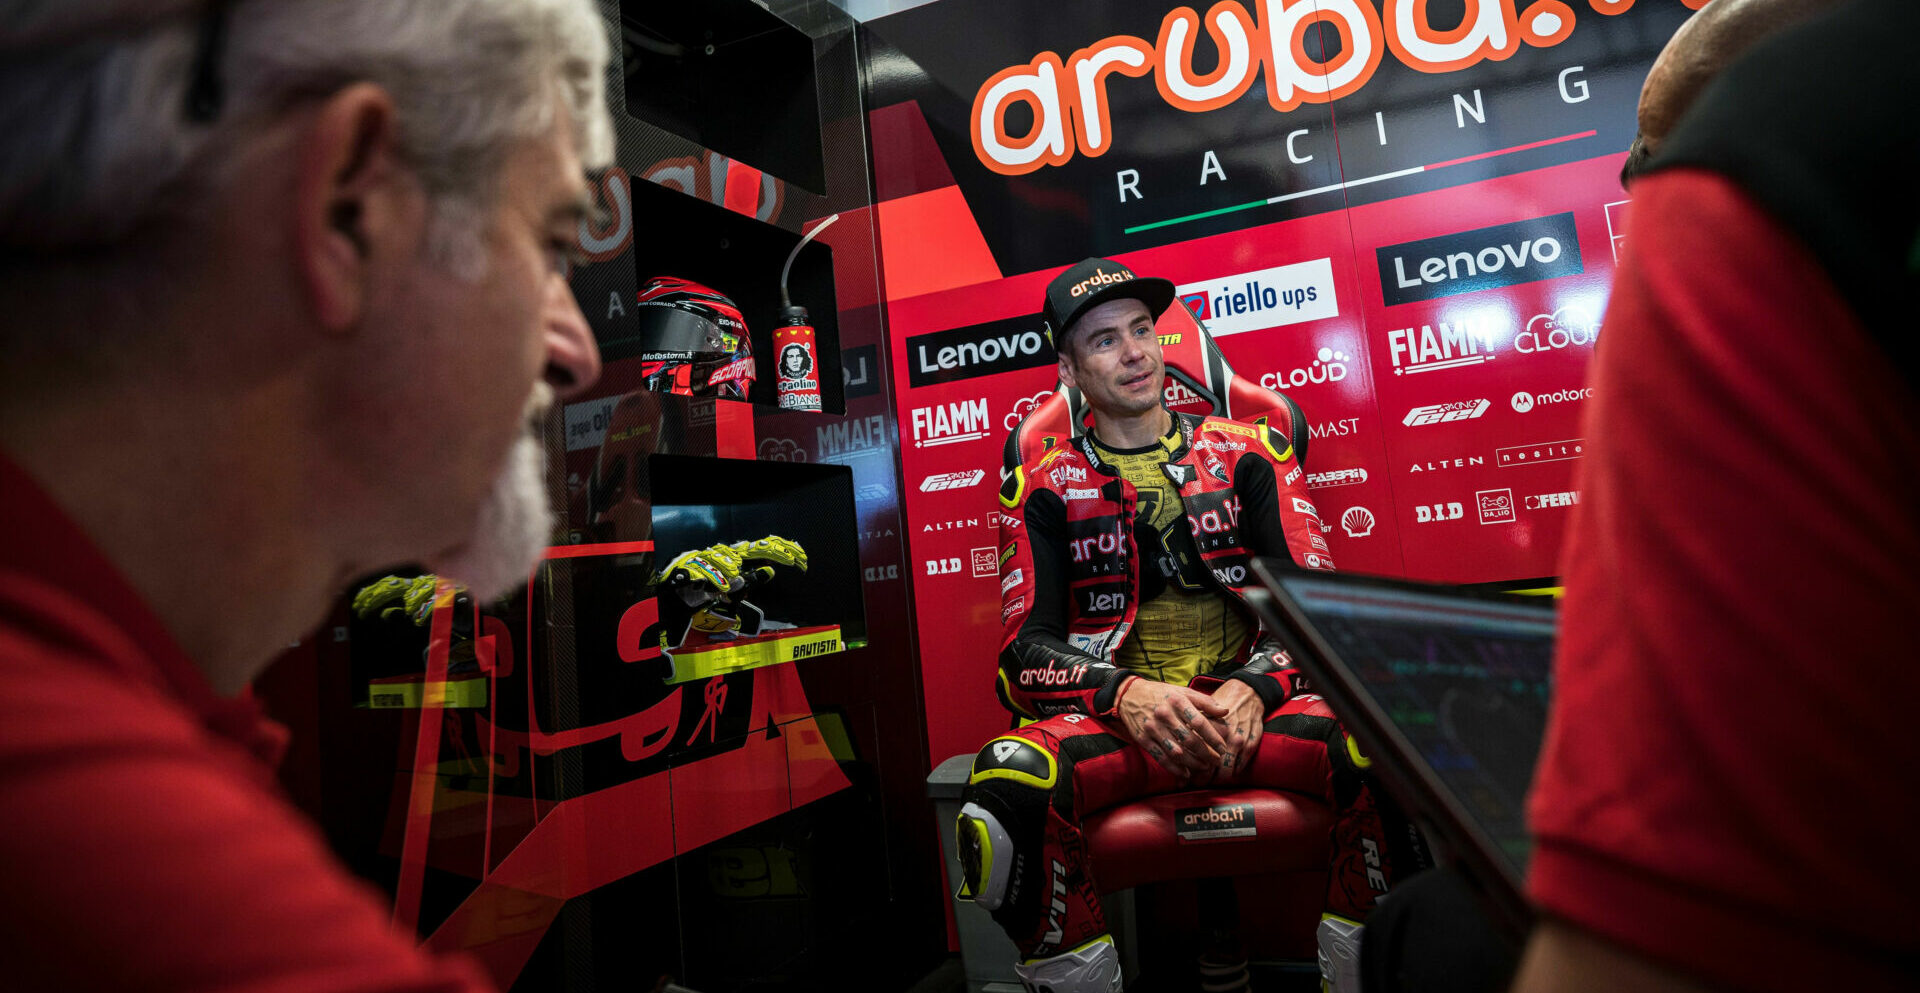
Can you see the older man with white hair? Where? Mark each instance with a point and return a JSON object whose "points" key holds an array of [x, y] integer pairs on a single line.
{"points": [[282, 300]]}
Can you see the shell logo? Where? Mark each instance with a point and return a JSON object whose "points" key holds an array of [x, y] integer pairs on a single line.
{"points": [[1357, 522]]}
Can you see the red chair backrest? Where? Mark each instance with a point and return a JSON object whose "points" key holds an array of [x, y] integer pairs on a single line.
{"points": [[1199, 381]]}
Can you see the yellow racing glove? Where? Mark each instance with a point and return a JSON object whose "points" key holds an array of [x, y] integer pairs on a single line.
{"points": [[711, 571], [396, 596], [774, 549]]}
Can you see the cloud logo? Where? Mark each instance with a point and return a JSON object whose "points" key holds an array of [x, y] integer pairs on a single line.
{"points": [[781, 450], [1024, 406]]}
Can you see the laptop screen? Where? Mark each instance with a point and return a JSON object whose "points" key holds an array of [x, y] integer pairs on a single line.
{"points": [[1465, 680]]}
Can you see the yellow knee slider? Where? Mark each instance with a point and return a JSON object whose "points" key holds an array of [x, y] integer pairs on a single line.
{"points": [[1016, 760]]}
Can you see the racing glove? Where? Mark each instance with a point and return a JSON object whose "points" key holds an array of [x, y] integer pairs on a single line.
{"points": [[771, 549], [395, 596]]}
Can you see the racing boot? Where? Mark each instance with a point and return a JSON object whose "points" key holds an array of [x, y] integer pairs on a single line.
{"points": [[1339, 940], [1091, 968]]}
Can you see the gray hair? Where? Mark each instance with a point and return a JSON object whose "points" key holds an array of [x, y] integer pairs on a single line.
{"points": [[93, 97]]}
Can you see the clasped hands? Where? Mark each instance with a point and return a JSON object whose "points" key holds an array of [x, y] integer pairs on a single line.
{"points": [[1197, 736]]}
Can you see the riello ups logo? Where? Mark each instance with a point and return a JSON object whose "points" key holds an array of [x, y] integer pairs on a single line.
{"points": [[1481, 259], [979, 350]]}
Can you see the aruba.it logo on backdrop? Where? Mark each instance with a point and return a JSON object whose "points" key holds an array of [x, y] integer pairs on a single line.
{"points": [[1249, 41]]}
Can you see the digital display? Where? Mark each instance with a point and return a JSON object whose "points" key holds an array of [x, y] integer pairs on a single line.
{"points": [[1466, 681]]}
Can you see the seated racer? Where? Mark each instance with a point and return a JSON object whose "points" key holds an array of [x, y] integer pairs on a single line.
{"points": [[1126, 636]]}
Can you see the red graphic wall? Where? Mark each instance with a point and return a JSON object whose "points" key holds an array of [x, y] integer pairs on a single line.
{"points": [[1419, 254]]}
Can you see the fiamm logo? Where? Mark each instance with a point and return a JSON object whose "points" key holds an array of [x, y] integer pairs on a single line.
{"points": [[1456, 343], [947, 423], [855, 437]]}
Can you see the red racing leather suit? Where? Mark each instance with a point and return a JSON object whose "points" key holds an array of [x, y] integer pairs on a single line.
{"points": [[1072, 576], [1071, 565]]}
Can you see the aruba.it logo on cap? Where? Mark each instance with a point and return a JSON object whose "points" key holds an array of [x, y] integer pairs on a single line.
{"points": [[1100, 277]]}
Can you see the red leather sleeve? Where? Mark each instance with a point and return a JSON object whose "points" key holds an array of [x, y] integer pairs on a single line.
{"points": [[1041, 673]]}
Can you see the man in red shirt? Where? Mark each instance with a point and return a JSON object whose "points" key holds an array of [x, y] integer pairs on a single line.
{"points": [[1725, 794], [282, 293]]}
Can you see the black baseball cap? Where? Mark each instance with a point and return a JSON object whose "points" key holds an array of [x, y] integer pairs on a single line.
{"points": [[1093, 282]]}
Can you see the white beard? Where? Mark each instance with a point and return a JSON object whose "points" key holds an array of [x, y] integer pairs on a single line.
{"points": [[515, 523]]}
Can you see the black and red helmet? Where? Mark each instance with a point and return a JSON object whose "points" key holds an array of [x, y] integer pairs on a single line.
{"points": [[693, 340]]}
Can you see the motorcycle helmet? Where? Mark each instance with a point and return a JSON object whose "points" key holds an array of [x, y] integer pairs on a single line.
{"points": [[693, 340]]}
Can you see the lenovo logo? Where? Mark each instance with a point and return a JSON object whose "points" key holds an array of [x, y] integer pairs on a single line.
{"points": [[1481, 259], [1232, 575], [979, 350]]}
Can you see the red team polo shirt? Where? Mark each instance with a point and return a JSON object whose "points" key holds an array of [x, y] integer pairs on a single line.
{"points": [[1731, 780], [144, 844]]}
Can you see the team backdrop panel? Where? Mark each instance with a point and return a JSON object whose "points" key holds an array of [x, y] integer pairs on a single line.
{"points": [[1403, 214]]}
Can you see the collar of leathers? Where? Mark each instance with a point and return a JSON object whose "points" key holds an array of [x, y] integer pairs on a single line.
{"points": [[1185, 422]]}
